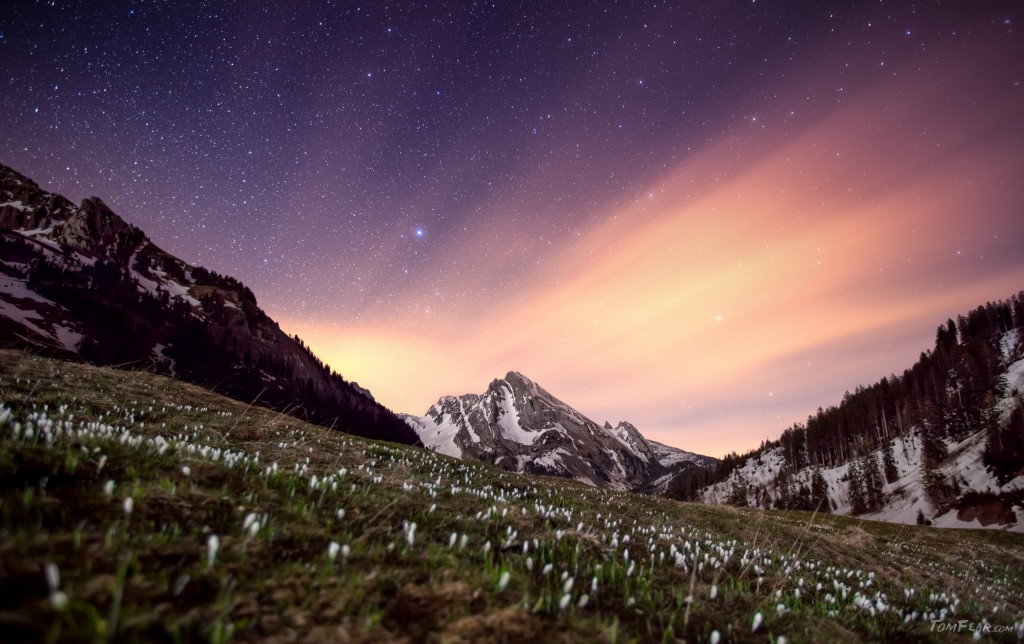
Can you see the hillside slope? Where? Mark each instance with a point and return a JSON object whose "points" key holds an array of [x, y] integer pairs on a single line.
{"points": [[79, 282], [942, 444], [136, 507]]}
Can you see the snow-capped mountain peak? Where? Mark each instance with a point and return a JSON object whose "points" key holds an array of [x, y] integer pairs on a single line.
{"points": [[518, 425], [631, 438]]}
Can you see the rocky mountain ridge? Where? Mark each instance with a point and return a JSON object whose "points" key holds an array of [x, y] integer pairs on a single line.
{"points": [[519, 426]]}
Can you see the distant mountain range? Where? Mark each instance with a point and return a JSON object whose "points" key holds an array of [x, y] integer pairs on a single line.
{"points": [[78, 282], [520, 427]]}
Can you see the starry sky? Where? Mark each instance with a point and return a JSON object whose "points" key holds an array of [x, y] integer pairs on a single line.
{"points": [[705, 218]]}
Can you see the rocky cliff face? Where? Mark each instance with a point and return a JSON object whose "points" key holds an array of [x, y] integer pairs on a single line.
{"points": [[25, 206], [78, 282], [519, 426], [94, 229]]}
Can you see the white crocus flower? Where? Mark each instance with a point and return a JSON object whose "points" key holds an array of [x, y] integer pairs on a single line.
{"points": [[212, 546], [756, 624]]}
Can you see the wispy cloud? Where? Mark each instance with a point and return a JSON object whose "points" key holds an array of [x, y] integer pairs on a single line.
{"points": [[738, 291]]}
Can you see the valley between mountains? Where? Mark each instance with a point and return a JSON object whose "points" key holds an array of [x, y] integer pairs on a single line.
{"points": [[175, 466], [942, 443]]}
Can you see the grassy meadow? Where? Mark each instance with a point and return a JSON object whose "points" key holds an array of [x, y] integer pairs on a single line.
{"points": [[134, 507]]}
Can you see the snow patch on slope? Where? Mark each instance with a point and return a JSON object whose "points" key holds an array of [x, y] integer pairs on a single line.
{"points": [[508, 419], [552, 460], [904, 497], [671, 456], [35, 312], [436, 436]]}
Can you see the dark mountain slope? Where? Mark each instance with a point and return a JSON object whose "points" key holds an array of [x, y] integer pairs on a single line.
{"points": [[78, 282]]}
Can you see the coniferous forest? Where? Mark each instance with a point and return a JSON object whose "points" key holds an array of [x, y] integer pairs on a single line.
{"points": [[953, 390]]}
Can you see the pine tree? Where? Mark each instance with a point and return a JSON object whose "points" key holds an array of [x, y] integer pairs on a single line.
{"points": [[872, 482], [892, 473], [1004, 446], [936, 487], [933, 451], [763, 499], [856, 488], [738, 493], [819, 492], [990, 424], [933, 447]]}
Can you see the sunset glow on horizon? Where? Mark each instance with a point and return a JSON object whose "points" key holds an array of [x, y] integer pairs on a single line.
{"points": [[715, 320]]}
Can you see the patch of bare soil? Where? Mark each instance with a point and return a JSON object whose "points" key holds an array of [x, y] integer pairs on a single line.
{"points": [[427, 608], [512, 624], [992, 511]]}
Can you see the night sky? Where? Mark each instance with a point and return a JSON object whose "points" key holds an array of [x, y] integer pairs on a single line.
{"points": [[707, 219]]}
